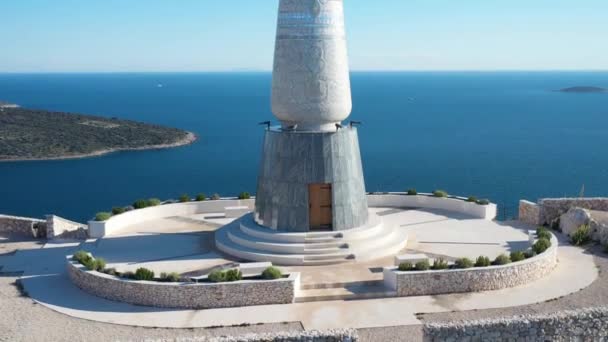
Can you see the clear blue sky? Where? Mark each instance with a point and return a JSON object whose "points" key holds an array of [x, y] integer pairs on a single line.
{"points": [[219, 35]]}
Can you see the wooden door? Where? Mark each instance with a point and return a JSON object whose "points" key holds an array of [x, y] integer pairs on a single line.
{"points": [[320, 209]]}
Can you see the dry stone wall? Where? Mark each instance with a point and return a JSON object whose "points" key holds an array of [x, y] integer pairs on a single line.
{"points": [[58, 227], [184, 295], [577, 325], [25, 226], [529, 212], [553, 208], [419, 283]]}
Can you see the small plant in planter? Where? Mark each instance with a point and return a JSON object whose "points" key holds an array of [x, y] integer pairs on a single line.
{"points": [[140, 204], [144, 274], [541, 245], [483, 261], [82, 256], [102, 216], [472, 199], [272, 273], [502, 259], [517, 256], [581, 236], [529, 254], [440, 264], [483, 202], [463, 263], [440, 193], [219, 276], [153, 202], [406, 266], [118, 210], [412, 192], [184, 198], [172, 277], [543, 233], [110, 271], [201, 197], [216, 197], [423, 265], [244, 196], [128, 275]]}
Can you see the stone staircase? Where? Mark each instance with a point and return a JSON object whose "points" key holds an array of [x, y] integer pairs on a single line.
{"points": [[245, 239], [343, 291]]}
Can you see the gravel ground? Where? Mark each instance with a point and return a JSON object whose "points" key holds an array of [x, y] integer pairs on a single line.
{"points": [[21, 319]]}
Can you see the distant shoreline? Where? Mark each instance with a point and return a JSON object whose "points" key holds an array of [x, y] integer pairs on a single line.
{"points": [[187, 140]]}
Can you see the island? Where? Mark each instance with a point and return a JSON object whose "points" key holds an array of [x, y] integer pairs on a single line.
{"points": [[31, 134], [585, 89]]}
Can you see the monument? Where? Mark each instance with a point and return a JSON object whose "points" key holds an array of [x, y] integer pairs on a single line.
{"points": [[311, 177]]}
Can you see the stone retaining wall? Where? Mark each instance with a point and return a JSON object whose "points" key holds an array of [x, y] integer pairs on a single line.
{"points": [[58, 227], [529, 212], [25, 226], [589, 324], [419, 283], [184, 295]]}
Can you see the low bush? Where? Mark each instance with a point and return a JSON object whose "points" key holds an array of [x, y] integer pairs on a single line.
{"points": [[153, 202], [82, 256], [472, 199], [244, 196], [581, 236], [463, 263], [172, 277], [234, 275], [530, 254], [118, 210], [184, 198], [99, 264], [440, 264], [483, 261], [128, 275], [272, 273], [483, 201], [541, 245], [543, 232], [412, 192], [440, 193], [216, 197], [102, 216], [218, 276], [140, 204], [406, 266], [144, 274], [423, 265], [502, 259], [517, 256], [110, 271], [201, 197]]}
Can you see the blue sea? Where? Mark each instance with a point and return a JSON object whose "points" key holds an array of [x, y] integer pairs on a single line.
{"points": [[502, 136]]}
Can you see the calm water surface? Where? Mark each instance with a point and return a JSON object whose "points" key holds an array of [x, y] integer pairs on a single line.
{"points": [[503, 136]]}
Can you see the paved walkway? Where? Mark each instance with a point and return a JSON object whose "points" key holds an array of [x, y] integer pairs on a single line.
{"points": [[46, 282]]}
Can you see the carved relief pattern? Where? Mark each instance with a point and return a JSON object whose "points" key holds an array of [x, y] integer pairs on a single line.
{"points": [[311, 79]]}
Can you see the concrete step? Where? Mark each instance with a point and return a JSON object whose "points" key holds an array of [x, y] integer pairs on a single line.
{"points": [[348, 292]]}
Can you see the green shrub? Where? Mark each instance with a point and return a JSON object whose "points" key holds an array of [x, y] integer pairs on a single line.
{"points": [[406, 266], [482, 261], [502, 259], [440, 193], [543, 232], [244, 196], [517, 256], [217, 276], [529, 254], [89, 264], [172, 277], [272, 273], [99, 264], [153, 202], [184, 198], [216, 197], [102, 216], [581, 236], [128, 275], [82, 256], [472, 199], [118, 210], [201, 197], [463, 263], [140, 204], [110, 271], [144, 274], [423, 265], [483, 201], [412, 192], [541, 245], [234, 275], [440, 264]]}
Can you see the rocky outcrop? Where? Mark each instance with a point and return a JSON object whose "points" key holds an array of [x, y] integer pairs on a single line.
{"points": [[576, 217]]}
